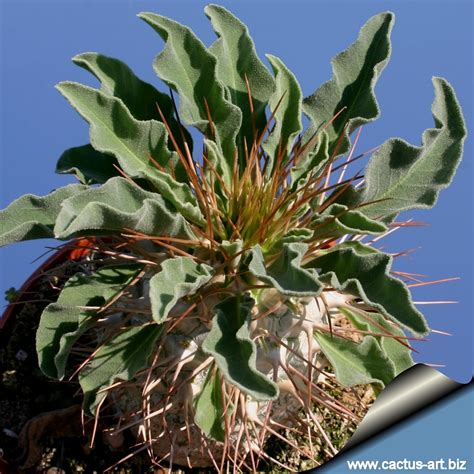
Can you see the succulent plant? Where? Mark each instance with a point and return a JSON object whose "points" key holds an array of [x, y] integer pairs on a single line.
{"points": [[224, 290]]}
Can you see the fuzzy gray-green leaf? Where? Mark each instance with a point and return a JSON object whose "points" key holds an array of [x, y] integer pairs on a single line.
{"points": [[221, 166], [118, 359], [404, 176], [337, 220], [287, 117], [32, 217], [298, 235], [399, 354], [179, 194], [355, 73], [116, 206], [118, 80], [115, 131], [187, 67], [141, 98], [234, 351], [179, 276], [357, 363], [364, 272], [285, 274], [236, 61], [209, 408], [310, 165], [63, 322], [90, 166]]}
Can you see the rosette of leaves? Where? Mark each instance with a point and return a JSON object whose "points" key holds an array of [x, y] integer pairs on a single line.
{"points": [[222, 275]]}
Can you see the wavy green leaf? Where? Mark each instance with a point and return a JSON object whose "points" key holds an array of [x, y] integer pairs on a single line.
{"points": [[399, 354], [32, 217], [179, 194], [288, 122], [209, 408], [116, 206], [187, 67], [234, 352], [337, 220], [118, 80], [364, 272], [310, 165], [410, 177], [60, 327], [357, 364], [233, 251], [355, 73], [114, 130], [300, 234], [179, 277], [236, 61], [222, 166], [63, 322], [286, 273], [118, 359], [141, 98], [90, 166]]}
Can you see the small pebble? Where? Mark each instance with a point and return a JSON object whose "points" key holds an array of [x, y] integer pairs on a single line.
{"points": [[113, 440], [21, 355], [9, 433], [55, 470]]}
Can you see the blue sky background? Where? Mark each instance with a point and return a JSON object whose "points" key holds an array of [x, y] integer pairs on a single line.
{"points": [[38, 39]]}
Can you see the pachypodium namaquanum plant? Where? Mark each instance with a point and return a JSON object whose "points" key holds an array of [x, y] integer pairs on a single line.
{"points": [[227, 290]]}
